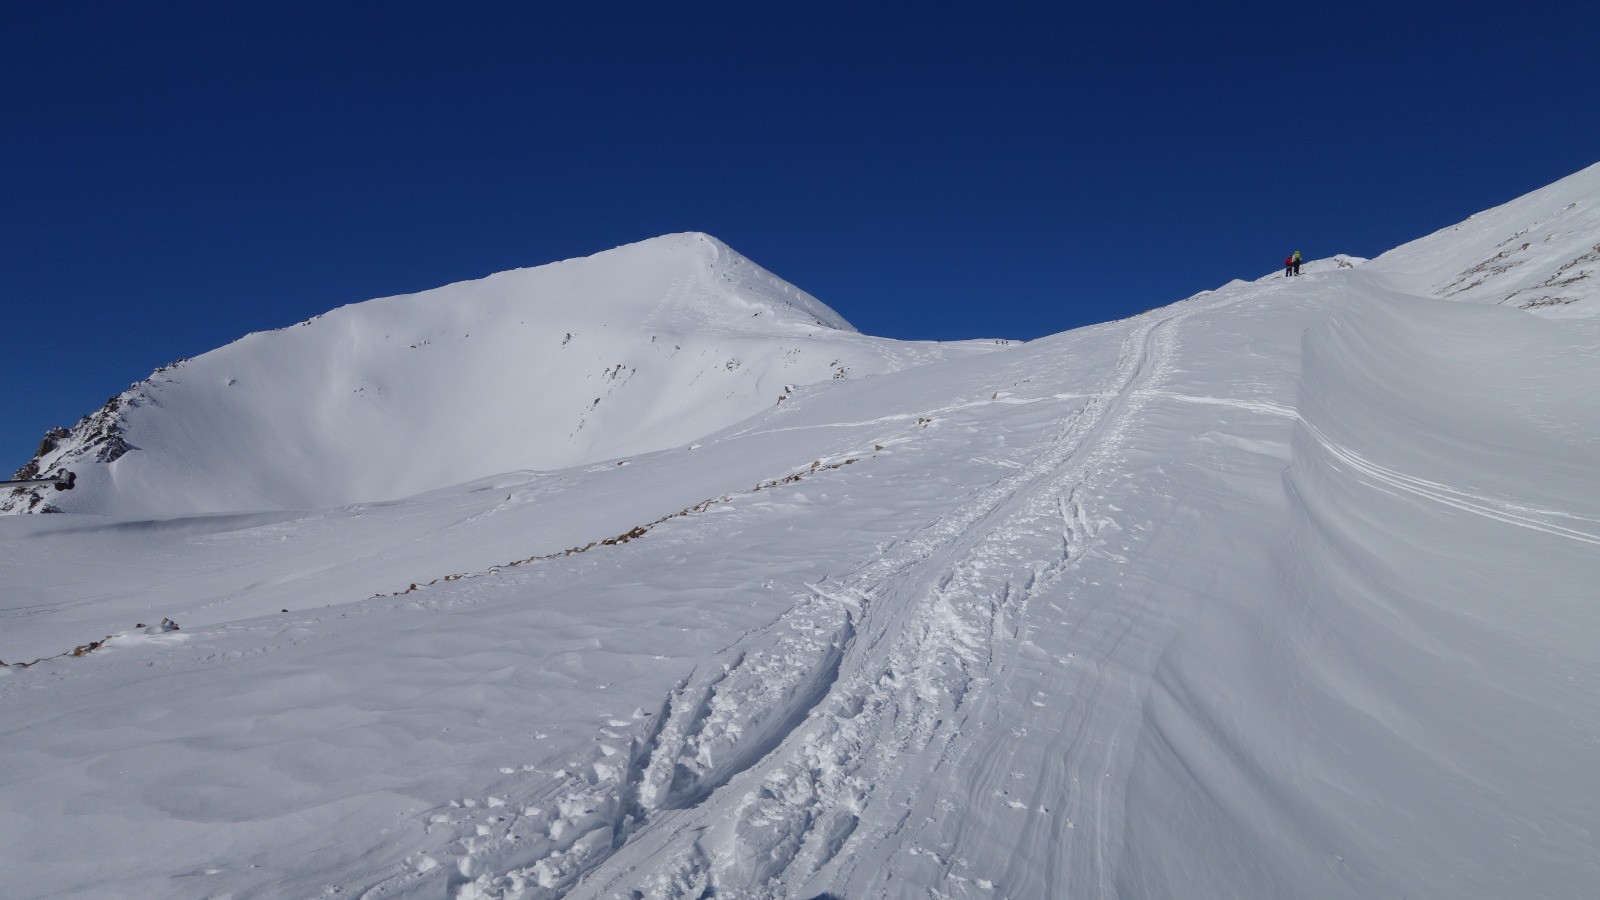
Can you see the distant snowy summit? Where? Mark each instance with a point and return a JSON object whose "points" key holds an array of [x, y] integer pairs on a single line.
{"points": [[641, 348]]}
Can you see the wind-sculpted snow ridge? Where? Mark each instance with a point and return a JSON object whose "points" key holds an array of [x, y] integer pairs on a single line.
{"points": [[640, 348], [1430, 641]]}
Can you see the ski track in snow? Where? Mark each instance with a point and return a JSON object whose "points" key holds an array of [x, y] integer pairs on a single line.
{"points": [[1500, 510], [1272, 409], [755, 773]]}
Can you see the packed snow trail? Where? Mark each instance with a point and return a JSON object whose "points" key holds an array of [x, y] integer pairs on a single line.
{"points": [[885, 659]]}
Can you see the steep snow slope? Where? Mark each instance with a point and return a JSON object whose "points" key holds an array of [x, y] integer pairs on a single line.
{"points": [[1284, 590], [1539, 252], [639, 348]]}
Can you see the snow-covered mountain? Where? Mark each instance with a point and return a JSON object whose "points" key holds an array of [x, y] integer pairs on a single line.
{"points": [[1282, 590], [1540, 252], [639, 348]]}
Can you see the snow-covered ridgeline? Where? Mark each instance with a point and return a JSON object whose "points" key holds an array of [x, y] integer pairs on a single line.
{"points": [[636, 349], [1539, 252]]}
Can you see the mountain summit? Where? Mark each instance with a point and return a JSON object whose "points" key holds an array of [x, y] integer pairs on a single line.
{"points": [[640, 348]]}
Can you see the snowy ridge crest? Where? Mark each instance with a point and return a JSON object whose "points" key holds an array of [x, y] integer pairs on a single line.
{"points": [[1539, 252], [637, 349]]}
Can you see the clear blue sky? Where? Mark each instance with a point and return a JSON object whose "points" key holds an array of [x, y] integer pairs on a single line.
{"points": [[178, 174]]}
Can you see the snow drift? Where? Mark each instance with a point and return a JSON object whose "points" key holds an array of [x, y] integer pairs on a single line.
{"points": [[1409, 703]]}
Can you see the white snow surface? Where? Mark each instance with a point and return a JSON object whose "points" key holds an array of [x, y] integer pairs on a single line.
{"points": [[1283, 590]]}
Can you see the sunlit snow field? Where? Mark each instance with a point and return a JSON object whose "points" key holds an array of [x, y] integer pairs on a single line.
{"points": [[1286, 589]]}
